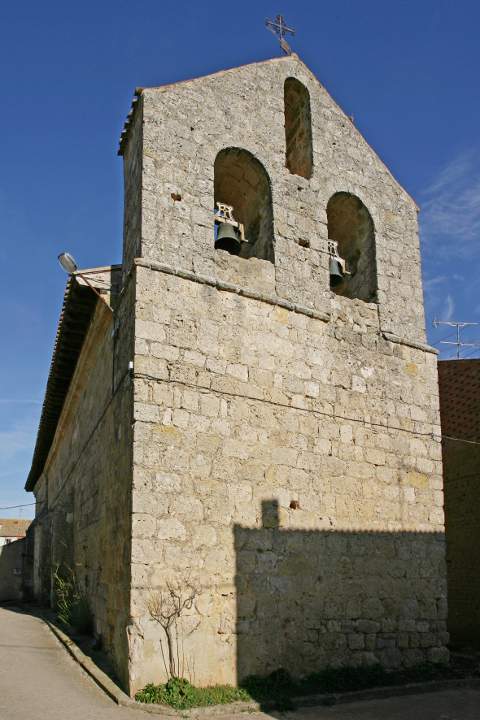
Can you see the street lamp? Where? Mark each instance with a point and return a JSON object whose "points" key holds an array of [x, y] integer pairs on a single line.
{"points": [[68, 263]]}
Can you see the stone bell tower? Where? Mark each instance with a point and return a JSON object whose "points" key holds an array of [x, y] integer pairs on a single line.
{"points": [[286, 458]]}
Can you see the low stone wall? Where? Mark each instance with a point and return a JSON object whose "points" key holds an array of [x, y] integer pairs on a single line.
{"points": [[11, 565]]}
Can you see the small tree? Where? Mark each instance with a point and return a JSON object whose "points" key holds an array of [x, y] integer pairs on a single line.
{"points": [[166, 608]]}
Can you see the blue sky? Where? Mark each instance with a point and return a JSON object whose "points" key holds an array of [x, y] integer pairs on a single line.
{"points": [[407, 71]]}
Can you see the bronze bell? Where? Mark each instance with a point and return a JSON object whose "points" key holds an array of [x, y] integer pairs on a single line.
{"points": [[336, 272], [228, 238]]}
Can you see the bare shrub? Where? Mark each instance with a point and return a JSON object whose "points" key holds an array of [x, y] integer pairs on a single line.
{"points": [[166, 608]]}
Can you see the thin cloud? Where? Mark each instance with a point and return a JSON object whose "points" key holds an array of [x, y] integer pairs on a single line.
{"points": [[432, 282], [450, 218], [449, 308], [16, 440], [434, 290]]}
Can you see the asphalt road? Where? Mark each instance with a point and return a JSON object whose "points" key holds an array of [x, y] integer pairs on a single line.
{"points": [[40, 681]]}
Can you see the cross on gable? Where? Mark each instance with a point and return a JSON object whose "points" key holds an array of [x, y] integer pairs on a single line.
{"points": [[280, 28]]}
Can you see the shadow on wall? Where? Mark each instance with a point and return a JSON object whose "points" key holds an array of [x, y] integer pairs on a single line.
{"points": [[307, 599], [11, 566], [462, 524]]}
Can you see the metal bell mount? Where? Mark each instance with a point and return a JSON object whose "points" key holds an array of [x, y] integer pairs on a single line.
{"points": [[336, 264]]}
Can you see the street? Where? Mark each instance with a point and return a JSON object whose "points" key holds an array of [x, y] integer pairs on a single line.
{"points": [[39, 680]]}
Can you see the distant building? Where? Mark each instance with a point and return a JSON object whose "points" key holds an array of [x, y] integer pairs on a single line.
{"points": [[12, 557], [11, 530], [459, 382]]}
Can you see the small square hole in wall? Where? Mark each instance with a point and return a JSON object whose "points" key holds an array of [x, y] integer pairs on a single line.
{"points": [[303, 242]]}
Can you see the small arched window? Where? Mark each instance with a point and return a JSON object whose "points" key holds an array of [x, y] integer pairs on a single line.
{"points": [[350, 225], [241, 181], [298, 129]]}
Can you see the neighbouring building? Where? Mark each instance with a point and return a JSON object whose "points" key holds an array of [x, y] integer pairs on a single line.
{"points": [[459, 382], [252, 409], [11, 530], [12, 557]]}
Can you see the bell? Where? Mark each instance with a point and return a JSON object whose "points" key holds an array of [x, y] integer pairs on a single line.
{"points": [[227, 239], [336, 272]]}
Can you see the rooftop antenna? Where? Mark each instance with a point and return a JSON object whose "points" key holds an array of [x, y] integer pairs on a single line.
{"points": [[280, 28], [458, 326]]}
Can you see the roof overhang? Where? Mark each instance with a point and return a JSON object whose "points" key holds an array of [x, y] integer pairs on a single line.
{"points": [[79, 304]]}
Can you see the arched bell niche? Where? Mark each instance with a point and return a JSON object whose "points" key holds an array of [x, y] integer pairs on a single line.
{"points": [[351, 226], [241, 181], [298, 129]]}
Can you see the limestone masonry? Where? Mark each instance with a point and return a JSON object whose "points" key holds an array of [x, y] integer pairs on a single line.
{"points": [[276, 442]]}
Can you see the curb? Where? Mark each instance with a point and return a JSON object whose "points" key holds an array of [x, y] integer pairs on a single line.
{"points": [[101, 678], [380, 693], [122, 699]]}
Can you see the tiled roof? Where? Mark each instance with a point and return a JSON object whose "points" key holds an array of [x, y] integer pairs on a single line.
{"points": [[459, 382], [78, 306]]}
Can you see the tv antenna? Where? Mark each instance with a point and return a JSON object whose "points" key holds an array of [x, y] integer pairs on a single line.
{"points": [[459, 326], [280, 28]]}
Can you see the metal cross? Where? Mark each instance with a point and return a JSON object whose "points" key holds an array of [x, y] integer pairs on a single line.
{"points": [[280, 28]]}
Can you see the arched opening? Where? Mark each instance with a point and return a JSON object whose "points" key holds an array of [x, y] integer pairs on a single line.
{"points": [[350, 225], [298, 129], [242, 182]]}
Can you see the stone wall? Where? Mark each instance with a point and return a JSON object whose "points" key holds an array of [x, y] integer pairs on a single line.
{"points": [[132, 190], [241, 404], [11, 570], [284, 462], [186, 125], [83, 495]]}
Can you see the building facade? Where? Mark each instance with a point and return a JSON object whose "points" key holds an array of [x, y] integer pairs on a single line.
{"points": [[253, 420], [12, 530]]}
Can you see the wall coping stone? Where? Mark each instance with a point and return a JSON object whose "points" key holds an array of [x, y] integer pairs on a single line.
{"points": [[391, 337], [264, 297], [230, 287]]}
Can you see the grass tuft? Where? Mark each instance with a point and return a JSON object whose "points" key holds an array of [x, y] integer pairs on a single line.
{"points": [[180, 694]]}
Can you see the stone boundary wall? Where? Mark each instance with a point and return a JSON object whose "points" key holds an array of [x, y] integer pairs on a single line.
{"points": [[11, 570]]}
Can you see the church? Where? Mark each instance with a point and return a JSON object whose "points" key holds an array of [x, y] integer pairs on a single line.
{"points": [[245, 411]]}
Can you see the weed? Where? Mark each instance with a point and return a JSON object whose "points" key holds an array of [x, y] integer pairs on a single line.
{"points": [[180, 694], [71, 603]]}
